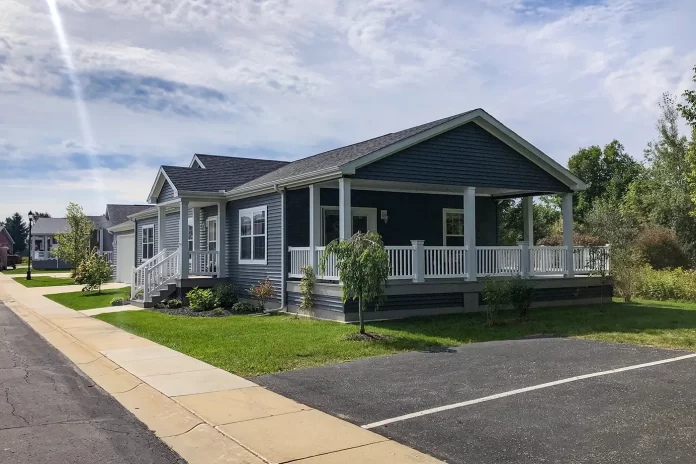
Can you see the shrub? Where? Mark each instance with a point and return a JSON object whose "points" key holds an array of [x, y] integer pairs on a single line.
{"points": [[244, 308], [219, 311], [174, 303], [676, 285], [307, 287], [660, 248], [226, 294], [496, 294], [579, 239], [520, 294], [118, 301], [263, 292], [626, 268], [201, 299], [92, 272]]}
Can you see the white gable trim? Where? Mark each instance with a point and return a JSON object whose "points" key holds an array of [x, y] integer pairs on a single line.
{"points": [[161, 178], [487, 122], [197, 161]]}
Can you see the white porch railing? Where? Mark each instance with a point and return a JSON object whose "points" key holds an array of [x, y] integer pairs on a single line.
{"points": [[451, 261], [443, 261], [400, 262], [41, 255], [203, 263], [299, 258], [109, 255], [499, 260]]}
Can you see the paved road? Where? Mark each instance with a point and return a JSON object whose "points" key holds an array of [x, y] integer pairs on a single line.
{"points": [[644, 415], [50, 413]]}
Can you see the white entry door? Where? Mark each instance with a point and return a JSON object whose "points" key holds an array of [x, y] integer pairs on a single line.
{"points": [[125, 257]]}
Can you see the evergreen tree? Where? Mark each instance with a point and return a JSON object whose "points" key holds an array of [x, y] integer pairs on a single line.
{"points": [[18, 230]]}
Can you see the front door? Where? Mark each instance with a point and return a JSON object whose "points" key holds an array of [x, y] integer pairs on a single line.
{"points": [[363, 220]]}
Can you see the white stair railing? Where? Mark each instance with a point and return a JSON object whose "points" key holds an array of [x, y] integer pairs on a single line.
{"points": [[138, 273], [161, 274]]}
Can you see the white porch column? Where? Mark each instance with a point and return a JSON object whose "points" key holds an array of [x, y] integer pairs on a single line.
{"points": [[221, 239], [101, 241], [470, 231], [344, 209], [418, 260], [161, 228], [196, 229], [568, 231], [528, 219], [183, 239], [314, 226]]}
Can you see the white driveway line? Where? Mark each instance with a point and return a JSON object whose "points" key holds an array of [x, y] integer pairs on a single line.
{"points": [[522, 390]]}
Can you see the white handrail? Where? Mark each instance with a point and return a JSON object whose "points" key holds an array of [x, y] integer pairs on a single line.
{"points": [[160, 274], [138, 273], [445, 261], [203, 263]]}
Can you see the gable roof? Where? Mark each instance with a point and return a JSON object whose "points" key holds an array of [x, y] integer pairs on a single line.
{"points": [[49, 226], [219, 174], [7, 233], [118, 214], [344, 161]]}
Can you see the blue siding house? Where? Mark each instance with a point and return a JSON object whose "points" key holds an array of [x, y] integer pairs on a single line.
{"points": [[431, 191]]}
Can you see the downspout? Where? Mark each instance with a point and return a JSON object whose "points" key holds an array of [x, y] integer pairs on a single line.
{"points": [[283, 248]]}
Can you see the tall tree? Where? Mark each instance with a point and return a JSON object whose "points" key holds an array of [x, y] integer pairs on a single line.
{"points": [[608, 172], [662, 194], [688, 108], [547, 215], [73, 245], [42, 215], [18, 230]]}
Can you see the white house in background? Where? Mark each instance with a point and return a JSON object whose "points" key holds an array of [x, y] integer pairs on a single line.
{"points": [[44, 231], [431, 192]]}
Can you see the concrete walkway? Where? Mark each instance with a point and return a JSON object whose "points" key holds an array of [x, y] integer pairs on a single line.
{"points": [[205, 414]]}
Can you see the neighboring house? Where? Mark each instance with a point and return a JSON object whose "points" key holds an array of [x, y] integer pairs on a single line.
{"points": [[431, 192], [44, 231], [6, 240]]}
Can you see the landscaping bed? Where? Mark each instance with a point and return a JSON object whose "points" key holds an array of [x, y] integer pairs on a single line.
{"points": [[250, 346], [80, 301], [190, 312]]}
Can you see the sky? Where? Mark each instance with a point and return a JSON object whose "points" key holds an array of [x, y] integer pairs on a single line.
{"points": [[96, 94]]}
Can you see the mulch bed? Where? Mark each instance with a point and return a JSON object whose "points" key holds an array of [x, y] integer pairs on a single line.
{"points": [[186, 311], [367, 337]]}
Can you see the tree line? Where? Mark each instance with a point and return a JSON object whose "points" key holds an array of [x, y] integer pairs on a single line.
{"points": [[628, 201]]}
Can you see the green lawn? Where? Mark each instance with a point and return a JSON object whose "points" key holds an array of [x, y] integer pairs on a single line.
{"points": [[23, 271], [248, 345], [89, 300], [44, 281]]}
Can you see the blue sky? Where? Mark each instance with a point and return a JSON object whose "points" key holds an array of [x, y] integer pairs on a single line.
{"points": [[282, 79]]}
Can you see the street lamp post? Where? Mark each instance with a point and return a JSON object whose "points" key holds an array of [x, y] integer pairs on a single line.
{"points": [[31, 219]]}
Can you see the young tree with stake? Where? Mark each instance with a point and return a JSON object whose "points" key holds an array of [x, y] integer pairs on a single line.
{"points": [[363, 268]]}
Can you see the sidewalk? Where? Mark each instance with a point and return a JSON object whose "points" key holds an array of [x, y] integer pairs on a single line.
{"points": [[205, 414]]}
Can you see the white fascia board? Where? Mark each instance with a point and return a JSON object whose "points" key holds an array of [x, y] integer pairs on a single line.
{"points": [[197, 161], [143, 214], [190, 195], [157, 186], [123, 227], [488, 123]]}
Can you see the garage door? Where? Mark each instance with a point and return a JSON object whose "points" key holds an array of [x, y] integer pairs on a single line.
{"points": [[125, 257]]}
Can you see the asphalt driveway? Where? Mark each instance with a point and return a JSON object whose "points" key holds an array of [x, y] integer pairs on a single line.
{"points": [[517, 401]]}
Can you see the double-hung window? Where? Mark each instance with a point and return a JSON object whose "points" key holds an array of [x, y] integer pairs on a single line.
{"points": [[253, 235], [453, 227], [212, 233], [147, 242]]}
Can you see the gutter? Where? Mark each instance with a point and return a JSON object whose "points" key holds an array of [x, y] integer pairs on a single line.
{"points": [[283, 248]]}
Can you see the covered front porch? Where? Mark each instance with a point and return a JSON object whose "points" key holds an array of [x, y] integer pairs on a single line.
{"points": [[430, 231]]}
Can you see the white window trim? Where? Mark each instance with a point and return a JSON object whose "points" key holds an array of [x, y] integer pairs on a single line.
{"points": [[142, 241], [192, 235], [250, 212], [444, 224], [207, 232]]}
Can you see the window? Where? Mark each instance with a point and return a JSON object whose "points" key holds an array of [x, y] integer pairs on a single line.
{"points": [[212, 233], [453, 227], [147, 242], [252, 235]]}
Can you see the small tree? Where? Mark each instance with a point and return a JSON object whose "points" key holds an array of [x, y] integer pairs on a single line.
{"points": [[73, 245], [93, 271], [363, 267], [307, 288], [263, 292]]}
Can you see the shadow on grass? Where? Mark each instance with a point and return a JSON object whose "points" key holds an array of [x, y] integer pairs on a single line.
{"points": [[642, 318]]}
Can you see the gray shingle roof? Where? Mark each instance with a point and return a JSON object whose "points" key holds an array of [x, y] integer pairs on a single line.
{"points": [[49, 226], [118, 214], [221, 173], [3, 230], [341, 156]]}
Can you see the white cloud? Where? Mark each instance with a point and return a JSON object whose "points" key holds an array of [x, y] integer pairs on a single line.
{"points": [[167, 78]]}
